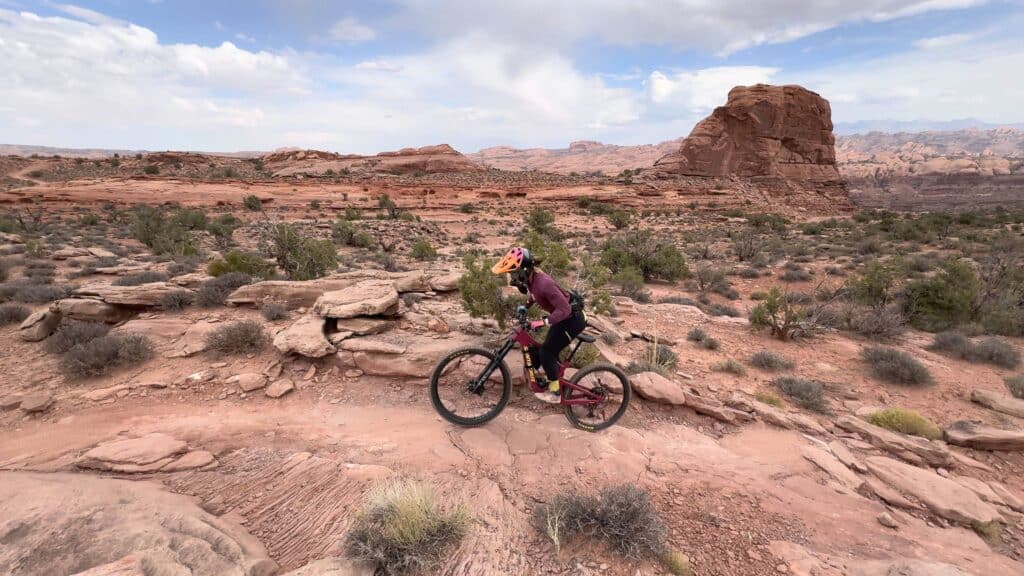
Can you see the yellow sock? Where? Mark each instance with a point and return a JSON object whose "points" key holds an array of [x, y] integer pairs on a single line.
{"points": [[553, 386]]}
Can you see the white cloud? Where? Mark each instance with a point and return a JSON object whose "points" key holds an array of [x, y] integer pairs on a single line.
{"points": [[720, 26], [702, 90], [244, 37], [942, 41], [378, 65], [350, 30]]}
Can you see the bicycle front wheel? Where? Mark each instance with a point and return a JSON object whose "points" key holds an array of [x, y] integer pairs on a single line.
{"points": [[603, 396], [469, 386]]}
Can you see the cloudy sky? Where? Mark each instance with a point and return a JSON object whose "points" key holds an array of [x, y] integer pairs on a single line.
{"points": [[361, 76]]}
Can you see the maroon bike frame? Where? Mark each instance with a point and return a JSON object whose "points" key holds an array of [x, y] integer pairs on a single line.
{"points": [[571, 394]]}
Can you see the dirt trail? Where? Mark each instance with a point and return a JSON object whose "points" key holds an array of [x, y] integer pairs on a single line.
{"points": [[295, 471]]}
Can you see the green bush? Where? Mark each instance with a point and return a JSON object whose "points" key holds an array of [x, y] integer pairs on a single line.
{"points": [[768, 398], [32, 293], [273, 311], [540, 220], [252, 203], [620, 219], [809, 394], [895, 366], [879, 322], [190, 218], [481, 290], [991, 350], [630, 281], [151, 169], [164, 235], [776, 313], [401, 529], [244, 262], [944, 300], [906, 422], [872, 286], [344, 233], [239, 337], [223, 229], [771, 361], [101, 355], [554, 256], [300, 257], [422, 250], [656, 259]]}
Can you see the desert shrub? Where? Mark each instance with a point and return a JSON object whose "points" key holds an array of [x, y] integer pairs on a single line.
{"points": [[162, 234], [696, 334], [401, 529], [215, 291], [151, 169], [620, 219], [1015, 384], [773, 222], [717, 309], [681, 300], [795, 275], [540, 220], [655, 358], [32, 293], [906, 422], [190, 218], [881, 322], [749, 273], [101, 355], [300, 257], [872, 286], [237, 261], [799, 298], [12, 313], [746, 245], [141, 278], [731, 366], [656, 259], [223, 229], [252, 203], [622, 516], [585, 356], [630, 281], [5, 270], [555, 256], [776, 313], [482, 292], [770, 361], [176, 300], [944, 300], [809, 394], [183, 266], [274, 311], [236, 338], [72, 333], [990, 350], [895, 366], [768, 398], [467, 208], [422, 250]]}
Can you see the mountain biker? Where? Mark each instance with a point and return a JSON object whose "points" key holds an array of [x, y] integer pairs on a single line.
{"points": [[563, 322]]}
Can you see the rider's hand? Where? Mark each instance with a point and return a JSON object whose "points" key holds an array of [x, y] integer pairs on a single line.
{"points": [[537, 324], [521, 310]]}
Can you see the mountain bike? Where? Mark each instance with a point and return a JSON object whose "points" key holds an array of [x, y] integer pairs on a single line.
{"points": [[471, 386]]}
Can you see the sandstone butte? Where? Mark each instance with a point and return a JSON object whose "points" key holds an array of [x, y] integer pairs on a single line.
{"points": [[780, 132]]}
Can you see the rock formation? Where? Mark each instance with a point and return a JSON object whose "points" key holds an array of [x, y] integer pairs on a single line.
{"points": [[775, 131], [428, 159]]}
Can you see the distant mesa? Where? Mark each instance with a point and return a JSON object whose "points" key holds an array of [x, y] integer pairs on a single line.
{"points": [[440, 158], [761, 131]]}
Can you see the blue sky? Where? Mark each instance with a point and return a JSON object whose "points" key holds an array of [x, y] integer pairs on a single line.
{"points": [[369, 76]]}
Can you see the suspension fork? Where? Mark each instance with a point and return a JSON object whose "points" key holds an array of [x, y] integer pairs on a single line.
{"points": [[477, 385]]}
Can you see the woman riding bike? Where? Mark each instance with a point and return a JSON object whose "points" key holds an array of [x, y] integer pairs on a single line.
{"points": [[564, 323]]}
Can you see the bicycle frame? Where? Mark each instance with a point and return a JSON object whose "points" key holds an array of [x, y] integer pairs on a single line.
{"points": [[572, 394]]}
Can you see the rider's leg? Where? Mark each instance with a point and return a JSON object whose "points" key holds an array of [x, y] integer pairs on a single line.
{"points": [[558, 338]]}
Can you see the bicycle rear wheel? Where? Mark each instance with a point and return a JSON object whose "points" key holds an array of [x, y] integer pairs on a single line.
{"points": [[465, 392], [610, 384]]}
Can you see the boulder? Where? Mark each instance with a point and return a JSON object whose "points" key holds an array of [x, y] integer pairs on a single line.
{"points": [[715, 409], [412, 281], [148, 453], [249, 381], [1010, 499], [304, 337], [279, 388], [365, 298], [39, 326], [654, 386], [289, 293], [843, 454], [445, 282], [833, 467], [190, 461], [63, 523], [776, 131], [418, 360], [90, 310], [192, 280], [145, 295], [907, 447], [981, 437], [999, 402], [36, 402], [365, 326], [776, 416], [65, 253], [101, 252], [942, 496], [368, 345]]}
